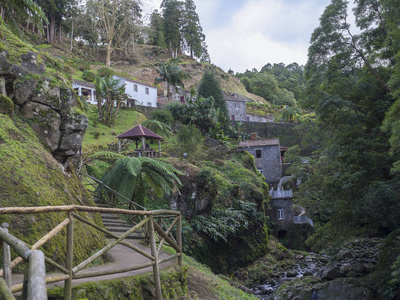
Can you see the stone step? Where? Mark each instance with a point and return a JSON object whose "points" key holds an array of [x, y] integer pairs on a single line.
{"points": [[130, 237], [116, 224], [110, 217]]}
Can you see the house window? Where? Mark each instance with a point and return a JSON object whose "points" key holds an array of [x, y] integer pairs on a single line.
{"points": [[280, 214], [258, 153], [232, 117], [149, 104], [135, 87], [248, 119], [236, 105], [146, 91], [260, 170]]}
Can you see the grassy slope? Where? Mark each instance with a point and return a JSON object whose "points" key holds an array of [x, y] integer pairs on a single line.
{"points": [[30, 176], [126, 119]]}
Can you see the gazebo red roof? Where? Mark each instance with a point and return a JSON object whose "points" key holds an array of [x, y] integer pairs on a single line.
{"points": [[139, 131]]}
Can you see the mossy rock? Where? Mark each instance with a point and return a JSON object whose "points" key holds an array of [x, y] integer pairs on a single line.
{"points": [[31, 177], [6, 106]]}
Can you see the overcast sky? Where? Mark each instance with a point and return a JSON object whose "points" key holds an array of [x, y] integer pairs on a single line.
{"points": [[246, 34]]}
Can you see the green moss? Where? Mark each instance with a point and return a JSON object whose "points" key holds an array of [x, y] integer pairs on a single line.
{"points": [[173, 282], [6, 106], [31, 177]]}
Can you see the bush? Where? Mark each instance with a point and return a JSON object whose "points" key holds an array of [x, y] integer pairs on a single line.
{"points": [[162, 115], [88, 76], [105, 72]]}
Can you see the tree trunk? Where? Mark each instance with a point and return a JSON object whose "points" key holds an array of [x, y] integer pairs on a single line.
{"points": [[72, 36], [60, 37], [52, 28], [168, 91], [108, 57]]}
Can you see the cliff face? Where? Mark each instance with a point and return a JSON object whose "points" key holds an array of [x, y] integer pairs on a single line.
{"points": [[43, 97]]}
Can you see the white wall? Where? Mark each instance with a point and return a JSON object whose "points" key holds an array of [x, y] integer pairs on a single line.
{"points": [[140, 95]]}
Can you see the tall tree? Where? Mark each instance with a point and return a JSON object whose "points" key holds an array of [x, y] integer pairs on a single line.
{"points": [[113, 18], [156, 34], [172, 14], [191, 29], [210, 87], [348, 185]]}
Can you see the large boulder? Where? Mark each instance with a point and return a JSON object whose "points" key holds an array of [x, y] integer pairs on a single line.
{"points": [[48, 103]]}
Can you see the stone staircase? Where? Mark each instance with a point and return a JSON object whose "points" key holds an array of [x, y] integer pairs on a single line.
{"points": [[116, 225]]}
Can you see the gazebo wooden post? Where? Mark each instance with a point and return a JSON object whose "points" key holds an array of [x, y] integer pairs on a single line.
{"points": [[143, 145], [159, 148], [119, 146]]}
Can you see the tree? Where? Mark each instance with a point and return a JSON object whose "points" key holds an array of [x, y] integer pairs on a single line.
{"points": [[137, 177], [110, 96], [156, 34], [14, 11], [172, 74], [191, 29], [210, 87], [172, 14], [348, 185], [113, 19]]}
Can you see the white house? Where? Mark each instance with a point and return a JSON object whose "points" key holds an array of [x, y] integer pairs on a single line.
{"points": [[85, 89], [138, 93]]}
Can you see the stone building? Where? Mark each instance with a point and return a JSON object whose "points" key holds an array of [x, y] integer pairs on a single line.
{"points": [[267, 156], [236, 108]]}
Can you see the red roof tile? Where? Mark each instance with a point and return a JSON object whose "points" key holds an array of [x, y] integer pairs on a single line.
{"points": [[137, 132]]}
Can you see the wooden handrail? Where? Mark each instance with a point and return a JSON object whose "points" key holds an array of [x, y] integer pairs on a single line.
{"points": [[69, 271]]}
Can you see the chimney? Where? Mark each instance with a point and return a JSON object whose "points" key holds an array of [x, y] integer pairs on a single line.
{"points": [[253, 136]]}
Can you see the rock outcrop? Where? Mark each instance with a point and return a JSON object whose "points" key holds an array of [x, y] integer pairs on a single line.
{"points": [[47, 103]]}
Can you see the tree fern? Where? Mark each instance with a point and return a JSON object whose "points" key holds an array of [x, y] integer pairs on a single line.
{"points": [[137, 177]]}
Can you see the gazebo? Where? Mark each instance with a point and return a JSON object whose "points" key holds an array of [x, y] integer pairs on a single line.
{"points": [[139, 134]]}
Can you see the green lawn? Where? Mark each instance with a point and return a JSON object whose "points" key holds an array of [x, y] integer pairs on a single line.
{"points": [[126, 119]]}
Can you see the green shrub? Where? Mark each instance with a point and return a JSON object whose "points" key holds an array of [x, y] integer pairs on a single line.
{"points": [[162, 115], [105, 72], [88, 76]]}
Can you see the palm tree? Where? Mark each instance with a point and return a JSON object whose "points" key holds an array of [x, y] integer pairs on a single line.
{"points": [[289, 114], [110, 94], [136, 177], [171, 73], [158, 127]]}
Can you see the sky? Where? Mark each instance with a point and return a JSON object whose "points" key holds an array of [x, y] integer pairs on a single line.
{"points": [[247, 34]]}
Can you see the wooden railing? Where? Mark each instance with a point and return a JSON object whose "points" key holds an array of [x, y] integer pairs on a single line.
{"points": [[34, 284], [159, 225]]}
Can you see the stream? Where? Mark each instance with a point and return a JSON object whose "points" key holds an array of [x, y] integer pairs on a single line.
{"points": [[310, 265]]}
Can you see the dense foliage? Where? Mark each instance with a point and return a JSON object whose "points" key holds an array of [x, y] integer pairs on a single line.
{"points": [[277, 83], [351, 185]]}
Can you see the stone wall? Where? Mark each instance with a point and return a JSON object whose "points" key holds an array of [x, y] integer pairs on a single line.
{"points": [[269, 162], [288, 213], [237, 109]]}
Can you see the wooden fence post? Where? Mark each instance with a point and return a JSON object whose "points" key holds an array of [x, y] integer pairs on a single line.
{"points": [[69, 258], [156, 270], [37, 276], [7, 259], [179, 239]]}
